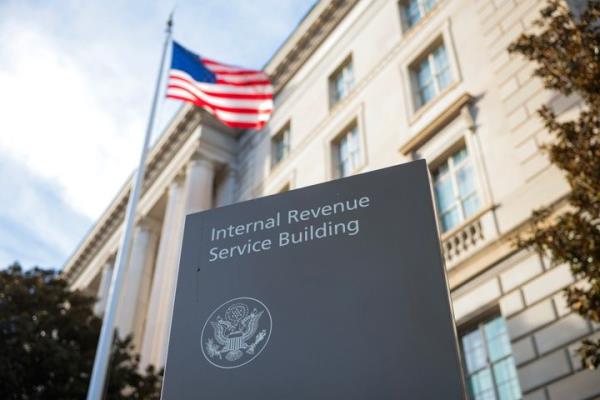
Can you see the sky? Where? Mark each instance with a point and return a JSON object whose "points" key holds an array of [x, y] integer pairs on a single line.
{"points": [[76, 82]]}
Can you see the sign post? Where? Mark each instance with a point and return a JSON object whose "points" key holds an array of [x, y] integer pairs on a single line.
{"points": [[334, 291]]}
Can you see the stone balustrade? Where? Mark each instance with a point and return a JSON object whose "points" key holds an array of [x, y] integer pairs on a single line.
{"points": [[464, 240]]}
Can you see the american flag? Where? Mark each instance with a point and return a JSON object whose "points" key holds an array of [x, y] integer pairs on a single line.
{"points": [[238, 97]]}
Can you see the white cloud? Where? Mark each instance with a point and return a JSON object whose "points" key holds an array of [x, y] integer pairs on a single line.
{"points": [[36, 226], [55, 123]]}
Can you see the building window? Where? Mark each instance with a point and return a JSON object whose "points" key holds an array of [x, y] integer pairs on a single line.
{"points": [[489, 366], [280, 145], [455, 189], [431, 75], [414, 10], [347, 151], [341, 82]]}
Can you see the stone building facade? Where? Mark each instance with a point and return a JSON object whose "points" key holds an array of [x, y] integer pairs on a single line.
{"points": [[360, 85]]}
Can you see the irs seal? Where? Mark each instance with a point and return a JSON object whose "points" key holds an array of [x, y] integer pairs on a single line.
{"points": [[236, 332]]}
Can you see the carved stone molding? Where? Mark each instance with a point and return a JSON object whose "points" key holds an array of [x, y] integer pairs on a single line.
{"points": [[199, 157], [149, 223], [309, 42]]}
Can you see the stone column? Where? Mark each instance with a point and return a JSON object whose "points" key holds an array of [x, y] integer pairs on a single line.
{"points": [[190, 194], [136, 285], [103, 288], [200, 183], [162, 279]]}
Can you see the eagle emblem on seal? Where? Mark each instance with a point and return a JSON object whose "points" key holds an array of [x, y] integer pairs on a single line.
{"points": [[239, 331]]}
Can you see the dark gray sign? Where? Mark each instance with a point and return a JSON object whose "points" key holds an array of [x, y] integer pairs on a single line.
{"points": [[334, 291]]}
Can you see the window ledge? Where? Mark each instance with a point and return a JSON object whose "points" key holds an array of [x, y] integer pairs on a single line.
{"points": [[277, 167], [425, 108], [437, 122], [333, 108]]}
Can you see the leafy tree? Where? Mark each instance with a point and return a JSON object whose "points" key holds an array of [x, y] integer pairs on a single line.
{"points": [[48, 337], [566, 48]]}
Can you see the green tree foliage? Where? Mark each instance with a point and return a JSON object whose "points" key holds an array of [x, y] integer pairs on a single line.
{"points": [[566, 49], [48, 338]]}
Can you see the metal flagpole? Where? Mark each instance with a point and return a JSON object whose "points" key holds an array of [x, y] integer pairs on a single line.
{"points": [[96, 388]]}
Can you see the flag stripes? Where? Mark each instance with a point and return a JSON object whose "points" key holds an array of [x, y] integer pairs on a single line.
{"points": [[238, 97]]}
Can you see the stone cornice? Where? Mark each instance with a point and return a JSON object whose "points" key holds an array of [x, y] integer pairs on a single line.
{"points": [[305, 40]]}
